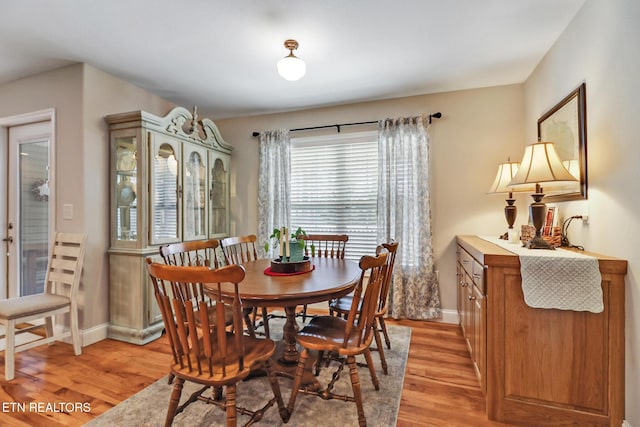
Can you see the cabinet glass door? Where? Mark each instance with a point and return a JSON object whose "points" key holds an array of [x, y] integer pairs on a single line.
{"points": [[218, 198], [126, 191], [194, 190], [165, 192]]}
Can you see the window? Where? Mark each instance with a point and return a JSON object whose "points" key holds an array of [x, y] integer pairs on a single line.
{"points": [[334, 187]]}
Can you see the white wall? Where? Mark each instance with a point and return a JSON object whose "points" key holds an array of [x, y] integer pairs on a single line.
{"points": [[601, 48], [479, 129]]}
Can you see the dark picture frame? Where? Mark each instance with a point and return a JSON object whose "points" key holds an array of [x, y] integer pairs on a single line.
{"points": [[566, 125]]}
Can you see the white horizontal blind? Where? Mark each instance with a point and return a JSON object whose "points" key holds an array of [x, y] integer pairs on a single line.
{"points": [[334, 185]]}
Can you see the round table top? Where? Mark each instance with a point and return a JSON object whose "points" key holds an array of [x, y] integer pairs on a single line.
{"points": [[330, 278]]}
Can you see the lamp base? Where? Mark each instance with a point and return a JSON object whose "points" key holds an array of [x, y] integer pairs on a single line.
{"points": [[537, 242]]}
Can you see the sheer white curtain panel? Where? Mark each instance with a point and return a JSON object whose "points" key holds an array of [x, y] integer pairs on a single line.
{"points": [[404, 214], [274, 204]]}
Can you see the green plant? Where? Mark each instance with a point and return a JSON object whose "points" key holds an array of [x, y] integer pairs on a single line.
{"points": [[275, 236]]}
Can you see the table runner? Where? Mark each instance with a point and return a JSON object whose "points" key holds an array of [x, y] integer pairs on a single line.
{"points": [[559, 279]]}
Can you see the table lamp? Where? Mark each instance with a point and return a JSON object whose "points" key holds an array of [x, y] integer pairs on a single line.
{"points": [[540, 164], [506, 172]]}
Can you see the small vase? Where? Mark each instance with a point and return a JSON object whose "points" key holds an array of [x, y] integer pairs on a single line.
{"points": [[297, 251]]}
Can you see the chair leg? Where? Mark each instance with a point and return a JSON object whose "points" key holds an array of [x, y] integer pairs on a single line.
{"points": [[275, 387], [75, 332], [216, 393], [383, 326], [319, 362], [372, 369], [48, 326], [297, 380], [383, 361], [230, 405], [10, 348], [304, 313], [246, 312], [265, 322], [355, 385], [173, 401]]}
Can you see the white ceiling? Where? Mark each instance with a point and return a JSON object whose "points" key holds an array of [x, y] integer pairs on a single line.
{"points": [[221, 54]]}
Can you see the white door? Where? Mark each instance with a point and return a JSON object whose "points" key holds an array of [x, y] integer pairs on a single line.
{"points": [[29, 207]]}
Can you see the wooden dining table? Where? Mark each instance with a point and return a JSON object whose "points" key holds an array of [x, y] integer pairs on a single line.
{"points": [[330, 278]]}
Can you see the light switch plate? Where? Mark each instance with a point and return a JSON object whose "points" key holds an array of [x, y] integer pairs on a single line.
{"points": [[67, 211]]}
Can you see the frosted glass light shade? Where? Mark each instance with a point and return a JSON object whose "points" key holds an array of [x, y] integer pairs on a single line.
{"points": [[292, 68]]}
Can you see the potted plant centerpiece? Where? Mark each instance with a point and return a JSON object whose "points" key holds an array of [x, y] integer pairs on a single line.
{"points": [[291, 251]]}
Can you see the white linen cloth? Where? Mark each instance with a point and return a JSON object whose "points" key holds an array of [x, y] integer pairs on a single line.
{"points": [[559, 279]]}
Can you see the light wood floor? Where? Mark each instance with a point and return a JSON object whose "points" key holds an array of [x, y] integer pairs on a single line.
{"points": [[440, 387]]}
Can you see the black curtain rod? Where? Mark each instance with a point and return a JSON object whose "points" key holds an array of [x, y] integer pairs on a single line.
{"points": [[339, 125]]}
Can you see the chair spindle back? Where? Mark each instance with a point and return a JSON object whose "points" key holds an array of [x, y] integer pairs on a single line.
{"points": [[197, 343], [392, 248], [196, 253], [325, 245], [366, 296], [239, 249]]}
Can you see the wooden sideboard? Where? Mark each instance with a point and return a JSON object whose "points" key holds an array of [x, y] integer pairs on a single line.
{"points": [[541, 367]]}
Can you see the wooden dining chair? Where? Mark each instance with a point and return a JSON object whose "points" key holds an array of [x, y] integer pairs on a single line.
{"points": [[210, 354], [346, 337], [60, 296], [323, 246], [342, 305], [238, 250], [194, 253], [197, 253]]}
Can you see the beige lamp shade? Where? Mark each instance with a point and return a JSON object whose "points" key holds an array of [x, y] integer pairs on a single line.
{"points": [[573, 167], [540, 164], [506, 172]]}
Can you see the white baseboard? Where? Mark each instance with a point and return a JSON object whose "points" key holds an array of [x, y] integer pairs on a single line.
{"points": [[95, 334], [88, 336], [626, 423], [449, 316]]}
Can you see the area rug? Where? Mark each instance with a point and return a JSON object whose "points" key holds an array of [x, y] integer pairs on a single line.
{"points": [[148, 407]]}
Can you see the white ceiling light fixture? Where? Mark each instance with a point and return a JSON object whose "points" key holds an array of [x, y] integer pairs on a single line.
{"points": [[291, 67]]}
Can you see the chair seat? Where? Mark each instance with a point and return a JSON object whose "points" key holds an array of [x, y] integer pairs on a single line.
{"points": [[14, 308], [255, 351], [324, 331], [342, 304]]}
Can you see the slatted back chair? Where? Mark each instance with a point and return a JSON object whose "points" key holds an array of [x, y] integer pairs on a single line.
{"points": [[323, 245], [238, 250], [343, 305], [346, 337], [201, 253], [195, 253], [198, 253], [205, 353], [383, 306], [60, 296]]}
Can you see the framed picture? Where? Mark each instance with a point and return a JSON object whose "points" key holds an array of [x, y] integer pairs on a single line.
{"points": [[565, 125]]}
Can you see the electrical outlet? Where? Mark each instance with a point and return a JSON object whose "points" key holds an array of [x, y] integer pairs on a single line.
{"points": [[583, 210]]}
